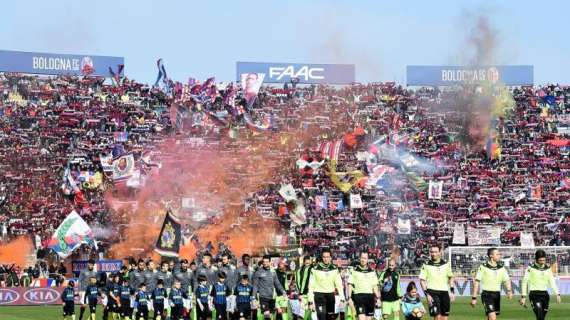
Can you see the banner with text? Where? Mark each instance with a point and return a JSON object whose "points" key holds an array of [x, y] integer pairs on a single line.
{"points": [[455, 75], [484, 236], [303, 73], [102, 265], [58, 64]]}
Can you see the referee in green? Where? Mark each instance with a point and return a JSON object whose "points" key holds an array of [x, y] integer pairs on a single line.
{"points": [[324, 282], [537, 279], [489, 277], [436, 279], [363, 289]]}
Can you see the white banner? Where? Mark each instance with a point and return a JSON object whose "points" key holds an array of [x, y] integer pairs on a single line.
{"points": [[404, 226], [288, 192], [527, 240], [484, 236], [435, 189], [459, 233], [355, 201], [188, 203]]}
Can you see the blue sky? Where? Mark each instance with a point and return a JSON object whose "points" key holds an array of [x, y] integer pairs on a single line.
{"points": [[204, 38]]}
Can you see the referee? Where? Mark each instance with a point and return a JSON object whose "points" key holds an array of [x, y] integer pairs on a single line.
{"points": [[537, 279], [489, 277], [363, 288], [323, 281], [436, 279]]}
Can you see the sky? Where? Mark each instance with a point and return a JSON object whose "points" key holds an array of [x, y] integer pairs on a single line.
{"points": [[206, 38]]}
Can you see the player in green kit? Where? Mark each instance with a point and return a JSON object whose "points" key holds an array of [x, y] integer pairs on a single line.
{"points": [[436, 279], [489, 277], [537, 279], [363, 288]]}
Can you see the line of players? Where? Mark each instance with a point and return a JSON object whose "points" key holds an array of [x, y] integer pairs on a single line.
{"points": [[170, 291]]}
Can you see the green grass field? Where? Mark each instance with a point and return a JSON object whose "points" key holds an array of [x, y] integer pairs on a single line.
{"points": [[460, 310]]}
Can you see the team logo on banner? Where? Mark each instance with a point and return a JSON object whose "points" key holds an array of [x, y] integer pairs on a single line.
{"points": [[168, 243], [123, 167]]}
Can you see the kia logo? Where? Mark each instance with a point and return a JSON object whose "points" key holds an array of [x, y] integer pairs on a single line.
{"points": [[8, 296], [41, 295]]}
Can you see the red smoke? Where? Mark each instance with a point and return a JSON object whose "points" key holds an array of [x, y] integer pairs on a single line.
{"points": [[220, 178]]}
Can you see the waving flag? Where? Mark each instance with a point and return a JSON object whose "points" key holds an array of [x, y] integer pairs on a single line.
{"points": [[161, 72], [288, 192], [70, 234], [377, 173], [168, 242], [251, 83], [123, 167]]}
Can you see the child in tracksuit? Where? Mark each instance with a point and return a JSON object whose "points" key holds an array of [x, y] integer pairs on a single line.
{"points": [[220, 292], [158, 297], [244, 296], [177, 296], [68, 299], [412, 301], [126, 295], [141, 303], [202, 293]]}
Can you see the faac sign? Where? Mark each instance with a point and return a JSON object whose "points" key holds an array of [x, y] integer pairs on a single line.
{"points": [[304, 73]]}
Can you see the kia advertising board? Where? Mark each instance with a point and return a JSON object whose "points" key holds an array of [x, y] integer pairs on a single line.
{"points": [[58, 64], [304, 72], [30, 296], [510, 75]]}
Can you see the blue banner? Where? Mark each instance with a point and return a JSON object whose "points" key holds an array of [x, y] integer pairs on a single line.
{"points": [[102, 265], [453, 75], [58, 64], [304, 73]]}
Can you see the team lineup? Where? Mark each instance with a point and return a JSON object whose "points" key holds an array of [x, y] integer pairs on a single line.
{"points": [[316, 290]]}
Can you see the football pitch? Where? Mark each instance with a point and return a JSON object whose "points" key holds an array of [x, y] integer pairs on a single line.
{"points": [[460, 310]]}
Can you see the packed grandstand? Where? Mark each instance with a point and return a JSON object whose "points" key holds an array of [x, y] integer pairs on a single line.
{"points": [[58, 126]]}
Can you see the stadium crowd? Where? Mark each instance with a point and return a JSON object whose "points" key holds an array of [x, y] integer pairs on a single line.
{"points": [[51, 126]]}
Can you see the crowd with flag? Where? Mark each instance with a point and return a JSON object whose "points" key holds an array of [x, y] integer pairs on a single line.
{"points": [[397, 175]]}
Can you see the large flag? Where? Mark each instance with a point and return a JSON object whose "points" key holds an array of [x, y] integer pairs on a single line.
{"points": [[70, 234], [376, 173], [123, 167], [251, 83], [168, 243]]}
